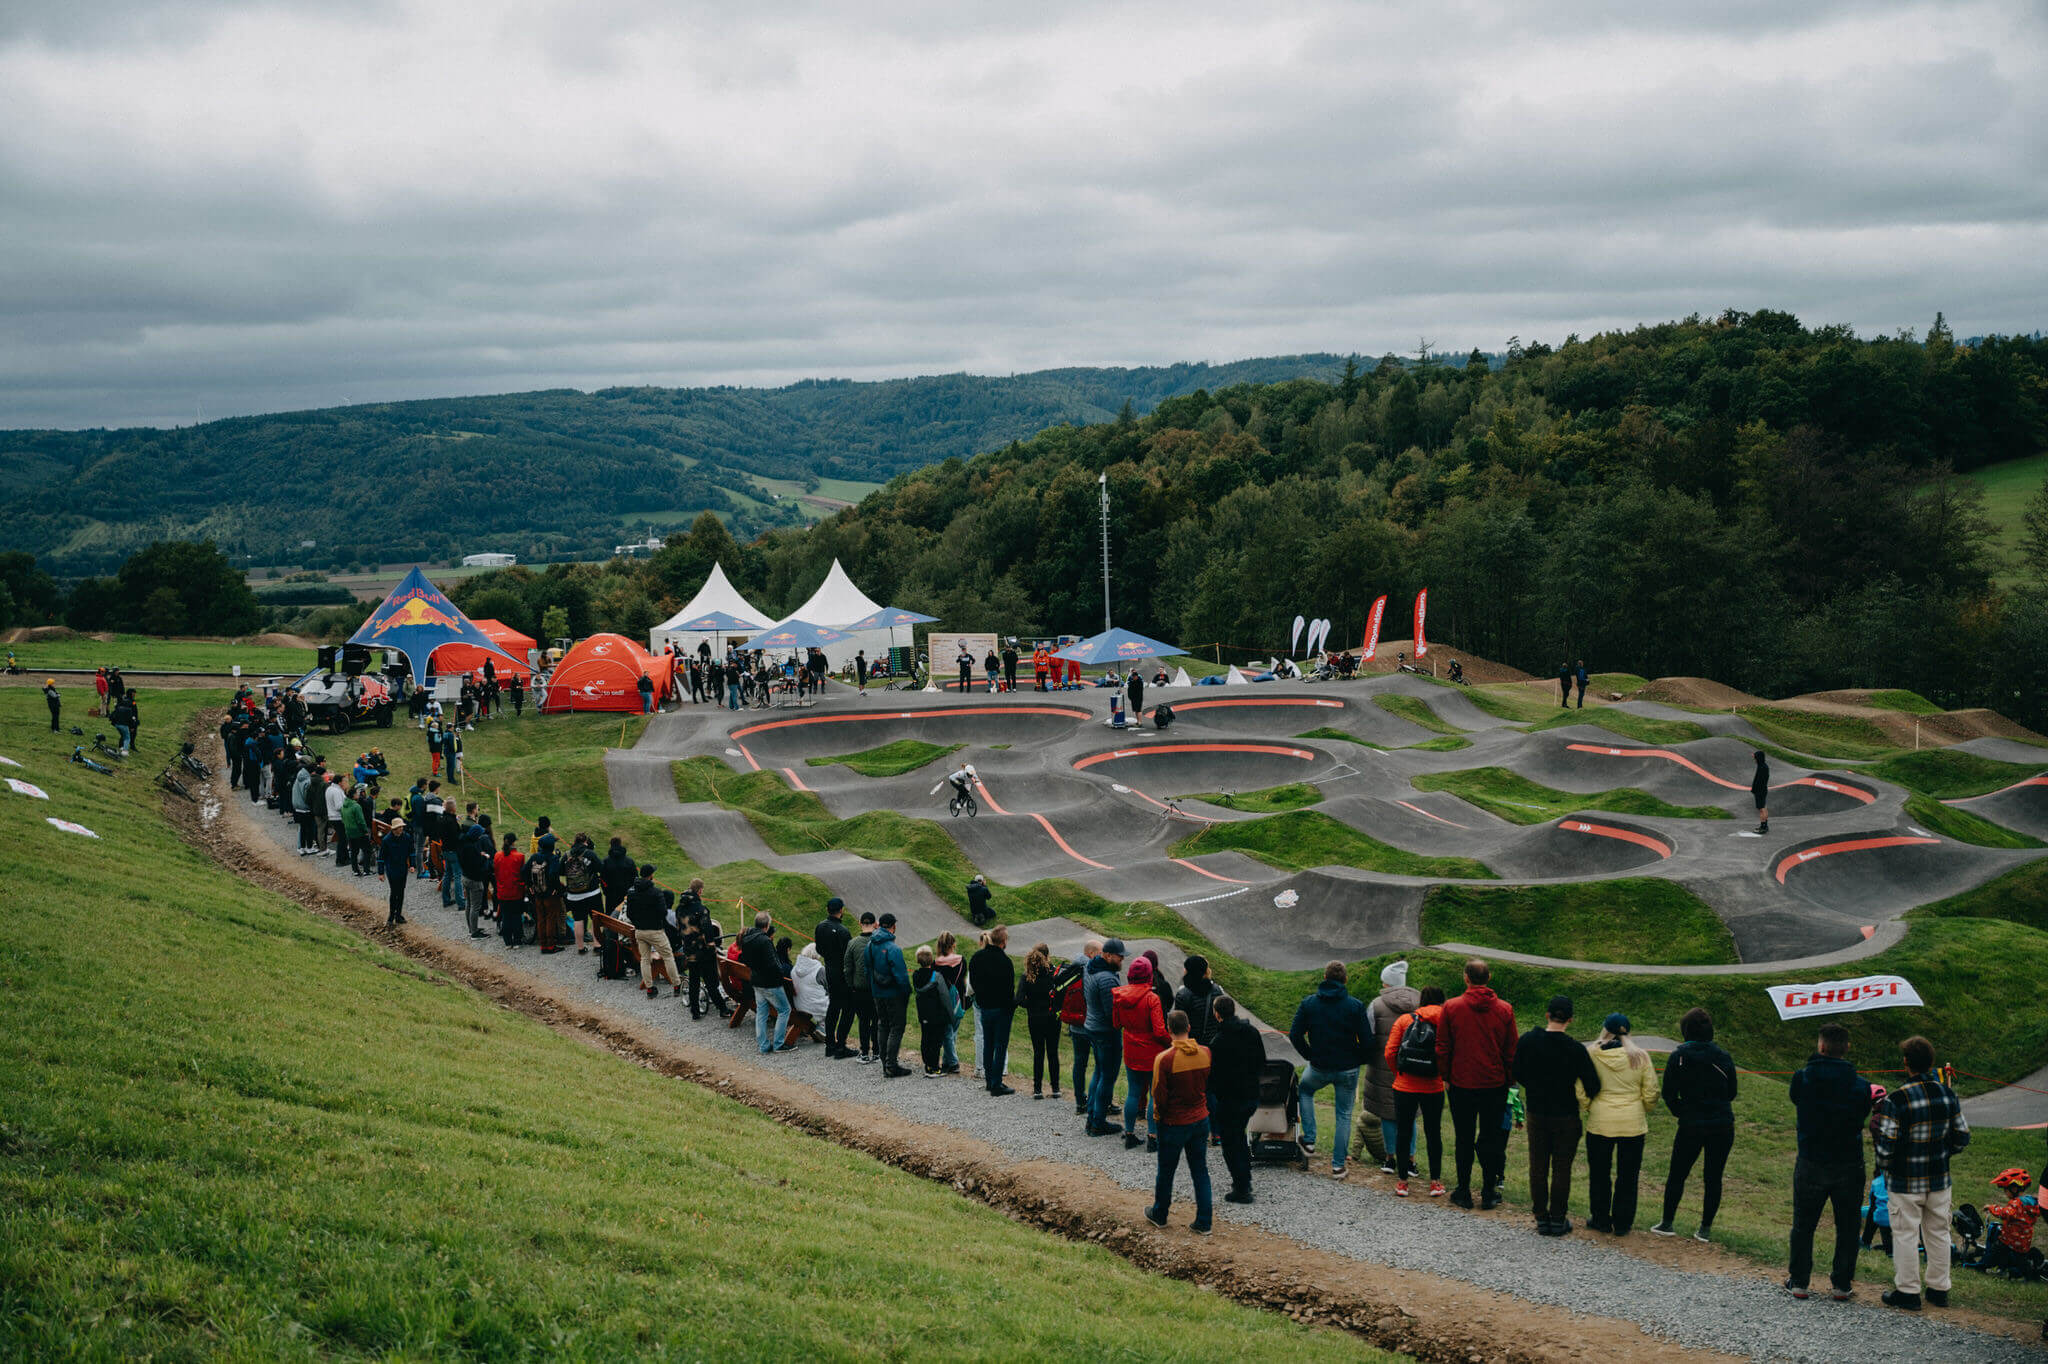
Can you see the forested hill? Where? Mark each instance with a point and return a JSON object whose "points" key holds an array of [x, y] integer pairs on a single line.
{"points": [[537, 474], [1742, 498]]}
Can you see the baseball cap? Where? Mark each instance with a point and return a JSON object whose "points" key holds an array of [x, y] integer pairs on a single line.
{"points": [[1115, 946], [1616, 1023], [1559, 1008], [834, 903], [887, 920]]}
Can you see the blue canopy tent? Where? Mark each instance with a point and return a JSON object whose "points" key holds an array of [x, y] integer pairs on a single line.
{"points": [[1117, 646], [891, 618], [715, 623], [797, 634], [417, 619]]}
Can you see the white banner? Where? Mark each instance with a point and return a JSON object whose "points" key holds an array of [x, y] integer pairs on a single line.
{"points": [[1844, 996], [943, 651]]}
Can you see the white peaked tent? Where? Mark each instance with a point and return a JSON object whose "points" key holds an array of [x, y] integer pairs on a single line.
{"points": [[837, 604], [717, 594]]}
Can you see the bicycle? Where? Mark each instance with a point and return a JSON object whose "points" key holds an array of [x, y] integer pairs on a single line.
{"points": [[963, 802], [171, 784], [78, 756], [193, 764], [912, 680], [105, 749]]}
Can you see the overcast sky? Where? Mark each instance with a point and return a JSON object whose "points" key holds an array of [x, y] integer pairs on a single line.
{"points": [[214, 209]]}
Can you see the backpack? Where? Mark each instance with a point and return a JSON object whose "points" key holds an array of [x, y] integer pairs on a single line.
{"points": [[611, 956], [580, 874], [1417, 1055], [1162, 716], [537, 876], [1073, 1001]]}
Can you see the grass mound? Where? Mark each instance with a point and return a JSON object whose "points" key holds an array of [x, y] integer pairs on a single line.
{"points": [[1443, 743], [1823, 735], [1325, 732], [1641, 920], [1963, 826], [1415, 711], [215, 1160], [1515, 798], [1292, 796], [1950, 773], [2018, 896], [1516, 706], [890, 759], [1899, 699], [1308, 838]]}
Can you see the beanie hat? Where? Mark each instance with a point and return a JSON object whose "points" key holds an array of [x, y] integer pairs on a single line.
{"points": [[1394, 975], [1141, 971]]}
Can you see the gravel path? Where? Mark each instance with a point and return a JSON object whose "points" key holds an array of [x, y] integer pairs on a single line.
{"points": [[1743, 1315]]}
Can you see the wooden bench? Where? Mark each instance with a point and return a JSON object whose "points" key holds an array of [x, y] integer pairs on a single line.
{"points": [[631, 946]]}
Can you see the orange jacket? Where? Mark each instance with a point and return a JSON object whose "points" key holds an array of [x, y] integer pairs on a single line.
{"points": [[1412, 1084], [1180, 1083]]}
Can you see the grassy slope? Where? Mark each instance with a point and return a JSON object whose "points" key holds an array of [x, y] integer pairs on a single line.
{"points": [[1517, 706], [2018, 896], [1308, 838], [1293, 796], [1520, 801], [215, 1159], [1899, 699], [2008, 487], [1823, 735], [1642, 919], [1951, 774], [1954, 822], [1415, 711], [890, 759], [143, 651]]}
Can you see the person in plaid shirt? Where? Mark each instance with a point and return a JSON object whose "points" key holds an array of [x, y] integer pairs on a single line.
{"points": [[1920, 1127]]}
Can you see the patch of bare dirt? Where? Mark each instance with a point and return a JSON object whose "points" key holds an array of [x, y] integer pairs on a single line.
{"points": [[279, 639], [36, 634], [1387, 659], [1702, 693]]}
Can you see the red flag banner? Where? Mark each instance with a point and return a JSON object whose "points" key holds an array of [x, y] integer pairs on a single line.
{"points": [[1372, 628], [1421, 607], [1844, 996]]}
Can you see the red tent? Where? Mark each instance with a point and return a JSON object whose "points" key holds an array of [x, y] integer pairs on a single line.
{"points": [[467, 658], [603, 673]]}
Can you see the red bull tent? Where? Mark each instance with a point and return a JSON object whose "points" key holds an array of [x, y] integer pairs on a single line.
{"points": [[467, 658], [603, 673], [416, 619]]}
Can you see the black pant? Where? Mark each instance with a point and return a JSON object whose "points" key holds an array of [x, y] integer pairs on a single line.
{"points": [[704, 975], [1814, 1185], [861, 1008], [890, 1014], [838, 1012], [512, 922], [1476, 1125], [308, 826], [1045, 1049], [1084, 1052], [234, 768], [1612, 1192], [1431, 1107], [1686, 1148], [359, 855], [54, 705], [398, 885], [1237, 1152], [1552, 1144]]}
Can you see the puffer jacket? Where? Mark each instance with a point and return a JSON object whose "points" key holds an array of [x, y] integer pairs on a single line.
{"points": [[1098, 987], [1627, 1094], [1144, 1027], [1699, 1085], [1377, 1091]]}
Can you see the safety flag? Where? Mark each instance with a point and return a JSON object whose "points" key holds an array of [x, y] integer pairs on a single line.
{"points": [[1421, 605], [1844, 996], [1372, 629]]}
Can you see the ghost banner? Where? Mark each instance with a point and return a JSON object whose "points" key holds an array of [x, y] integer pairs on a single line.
{"points": [[1843, 996]]}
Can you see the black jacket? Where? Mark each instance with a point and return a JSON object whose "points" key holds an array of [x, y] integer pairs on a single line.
{"points": [[618, 873], [1699, 1085], [1235, 1059], [757, 953], [1549, 1066], [1833, 1103], [646, 908], [991, 979], [1200, 1009], [977, 901], [832, 936]]}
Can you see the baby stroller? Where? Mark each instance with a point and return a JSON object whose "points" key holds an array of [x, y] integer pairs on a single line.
{"points": [[1275, 1137]]}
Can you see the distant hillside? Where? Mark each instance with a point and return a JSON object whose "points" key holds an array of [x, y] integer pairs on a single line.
{"points": [[540, 474]]}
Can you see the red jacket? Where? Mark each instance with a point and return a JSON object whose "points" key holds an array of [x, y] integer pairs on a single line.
{"points": [[1475, 1040], [1136, 1012]]}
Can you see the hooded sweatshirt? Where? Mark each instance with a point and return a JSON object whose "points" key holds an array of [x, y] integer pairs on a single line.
{"points": [[1699, 1085], [1475, 1040], [1396, 998], [1144, 1027], [1332, 1030], [1627, 1093], [1180, 1082], [1098, 986]]}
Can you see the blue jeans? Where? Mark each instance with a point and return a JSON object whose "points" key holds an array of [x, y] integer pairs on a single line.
{"points": [[1084, 1052], [994, 1027], [451, 879], [647, 703], [732, 696], [949, 1056], [772, 998], [1346, 1082], [121, 732], [1175, 1140], [1107, 1044], [1138, 1101]]}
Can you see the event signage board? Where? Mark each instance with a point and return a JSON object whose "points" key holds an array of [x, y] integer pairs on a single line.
{"points": [[1843, 996], [943, 652]]}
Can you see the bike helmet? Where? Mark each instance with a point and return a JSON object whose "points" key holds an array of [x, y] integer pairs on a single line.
{"points": [[1877, 1093], [2015, 1179]]}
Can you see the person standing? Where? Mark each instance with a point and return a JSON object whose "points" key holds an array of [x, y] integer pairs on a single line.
{"points": [[1376, 1132], [965, 662], [394, 862], [1617, 1125], [1557, 1077], [53, 700], [764, 968], [1580, 676], [1760, 792], [335, 798], [618, 874], [699, 934], [935, 1001], [1010, 666], [1564, 685], [647, 911], [1418, 1089], [977, 901], [518, 696], [857, 985], [1136, 690], [508, 872], [1068, 987], [1197, 998], [1098, 991], [1832, 1102], [860, 670], [1180, 1093], [355, 833], [1475, 1050], [1699, 1089], [1333, 1031], [473, 850], [1041, 1004], [831, 937], [993, 981], [1920, 1128], [889, 982], [583, 892], [1138, 1017], [645, 686], [1236, 1058], [303, 796]]}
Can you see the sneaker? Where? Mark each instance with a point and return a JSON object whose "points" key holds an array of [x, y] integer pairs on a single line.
{"points": [[1156, 1218], [1151, 1146], [1400, 1188], [1199, 1228], [1036, 1095], [1387, 1168], [1602, 1225], [786, 1046], [865, 1059], [1238, 1196], [1436, 1188], [1841, 1294], [1131, 1143], [1489, 1200], [1308, 1148], [1797, 1290], [1705, 1235], [1001, 1090], [1905, 1302], [1461, 1197], [896, 1072], [1100, 1130], [1664, 1229], [1937, 1297], [1338, 1171]]}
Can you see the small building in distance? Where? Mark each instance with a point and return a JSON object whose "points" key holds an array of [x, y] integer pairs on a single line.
{"points": [[639, 550], [489, 560]]}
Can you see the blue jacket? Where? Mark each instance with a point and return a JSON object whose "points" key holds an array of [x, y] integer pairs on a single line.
{"points": [[1332, 1028], [888, 978], [394, 856], [1833, 1102], [1098, 992]]}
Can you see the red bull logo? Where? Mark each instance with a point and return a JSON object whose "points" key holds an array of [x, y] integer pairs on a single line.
{"points": [[416, 611]]}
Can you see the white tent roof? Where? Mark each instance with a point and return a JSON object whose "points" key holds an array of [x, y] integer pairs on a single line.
{"points": [[717, 594], [837, 603]]}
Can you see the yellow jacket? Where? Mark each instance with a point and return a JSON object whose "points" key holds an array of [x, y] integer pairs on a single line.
{"points": [[1627, 1094]]}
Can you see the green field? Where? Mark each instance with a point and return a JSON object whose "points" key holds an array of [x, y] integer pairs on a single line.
{"points": [[234, 1129], [142, 652], [1518, 800], [1954, 822], [2008, 487], [890, 759], [1515, 704], [1640, 920], [1272, 800], [1308, 838], [1950, 773], [1415, 711]]}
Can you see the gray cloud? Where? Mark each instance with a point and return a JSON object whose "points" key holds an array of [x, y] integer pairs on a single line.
{"points": [[234, 208]]}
